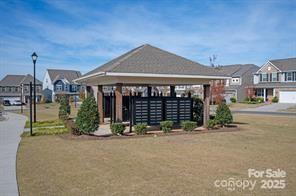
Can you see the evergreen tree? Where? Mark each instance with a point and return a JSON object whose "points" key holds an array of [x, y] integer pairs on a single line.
{"points": [[64, 109], [223, 115], [87, 119]]}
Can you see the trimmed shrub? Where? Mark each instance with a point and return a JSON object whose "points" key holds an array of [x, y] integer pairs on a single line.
{"points": [[188, 125], [233, 100], [250, 99], [117, 128], [275, 99], [64, 109], [223, 115], [166, 126], [259, 99], [211, 124], [197, 110], [140, 129], [87, 119]]}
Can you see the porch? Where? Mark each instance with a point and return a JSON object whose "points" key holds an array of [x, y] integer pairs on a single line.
{"points": [[266, 93]]}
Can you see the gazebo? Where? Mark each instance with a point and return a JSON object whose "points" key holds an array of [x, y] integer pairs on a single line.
{"points": [[150, 66]]}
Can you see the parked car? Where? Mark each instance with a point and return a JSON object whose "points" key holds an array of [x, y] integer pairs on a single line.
{"points": [[6, 103], [16, 103]]}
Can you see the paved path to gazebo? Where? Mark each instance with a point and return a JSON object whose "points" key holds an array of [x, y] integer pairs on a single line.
{"points": [[10, 130]]}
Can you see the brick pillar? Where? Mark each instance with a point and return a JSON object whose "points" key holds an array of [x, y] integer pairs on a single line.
{"points": [[118, 106], [100, 97], [206, 104]]}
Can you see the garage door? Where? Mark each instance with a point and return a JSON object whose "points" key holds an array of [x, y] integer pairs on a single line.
{"points": [[287, 97], [228, 94]]}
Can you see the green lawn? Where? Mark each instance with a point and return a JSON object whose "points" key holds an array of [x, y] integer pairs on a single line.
{"points": [[172, 165], [45, 123]]}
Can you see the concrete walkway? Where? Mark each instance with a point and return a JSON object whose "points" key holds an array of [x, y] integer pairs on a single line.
{"points": [[10, 130]]}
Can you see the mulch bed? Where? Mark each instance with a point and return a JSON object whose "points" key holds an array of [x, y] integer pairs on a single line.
{"points": [[157, 133]]}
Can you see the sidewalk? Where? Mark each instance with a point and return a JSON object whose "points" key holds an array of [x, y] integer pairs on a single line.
{"points": [[10, 130]]}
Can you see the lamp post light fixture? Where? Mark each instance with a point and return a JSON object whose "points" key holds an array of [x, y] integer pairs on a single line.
{"points": [[34, 58]]}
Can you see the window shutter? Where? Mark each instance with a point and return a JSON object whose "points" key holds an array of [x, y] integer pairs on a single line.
{"points": [[285, 76], [260, 77], [277, 76]]}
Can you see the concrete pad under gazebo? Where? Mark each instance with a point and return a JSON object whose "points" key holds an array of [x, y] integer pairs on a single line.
{"points": [[149, 66]]}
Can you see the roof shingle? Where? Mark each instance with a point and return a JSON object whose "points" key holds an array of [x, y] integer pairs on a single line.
{"points": [[152, 60], [288, 64], [16, 80], [70, 75], [237, 70]]}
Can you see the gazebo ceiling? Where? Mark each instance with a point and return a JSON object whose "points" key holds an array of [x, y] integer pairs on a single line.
{"points": [[150, 65]]}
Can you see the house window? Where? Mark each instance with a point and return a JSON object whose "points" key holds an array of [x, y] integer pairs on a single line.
{"points": [[274, 77], [289, 76], [235, 80], [263, 77], [59, 87], [74, 88], [9, 89], [3, 89], [260, 92]]}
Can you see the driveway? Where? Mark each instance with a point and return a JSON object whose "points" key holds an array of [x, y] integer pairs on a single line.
{"points": [[274, 107], [10, 130]]}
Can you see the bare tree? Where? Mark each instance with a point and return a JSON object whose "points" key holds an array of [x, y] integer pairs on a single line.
{"points": [[213, 59]]}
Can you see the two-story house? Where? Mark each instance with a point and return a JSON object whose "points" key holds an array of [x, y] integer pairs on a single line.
{"points": [[277, 78], [17, 87], [61, 82], [241, 77]]}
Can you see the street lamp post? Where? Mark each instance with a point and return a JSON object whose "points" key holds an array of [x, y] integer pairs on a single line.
{"points": [[34, 58]]}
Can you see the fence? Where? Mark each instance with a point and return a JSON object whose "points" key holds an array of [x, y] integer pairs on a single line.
{"points": [[152, 110]]}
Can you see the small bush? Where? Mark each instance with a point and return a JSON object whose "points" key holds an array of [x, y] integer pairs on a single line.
{"points": [[259, 99], [117, 128], [233, 100], [188, 125], [211, 124], [87, 117], [166, 126], [275, 99], [140, 129], [250, 99], [223, 115]]}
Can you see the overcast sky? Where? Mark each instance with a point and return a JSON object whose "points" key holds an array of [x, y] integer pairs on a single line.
{"points": [[83, 35]]}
